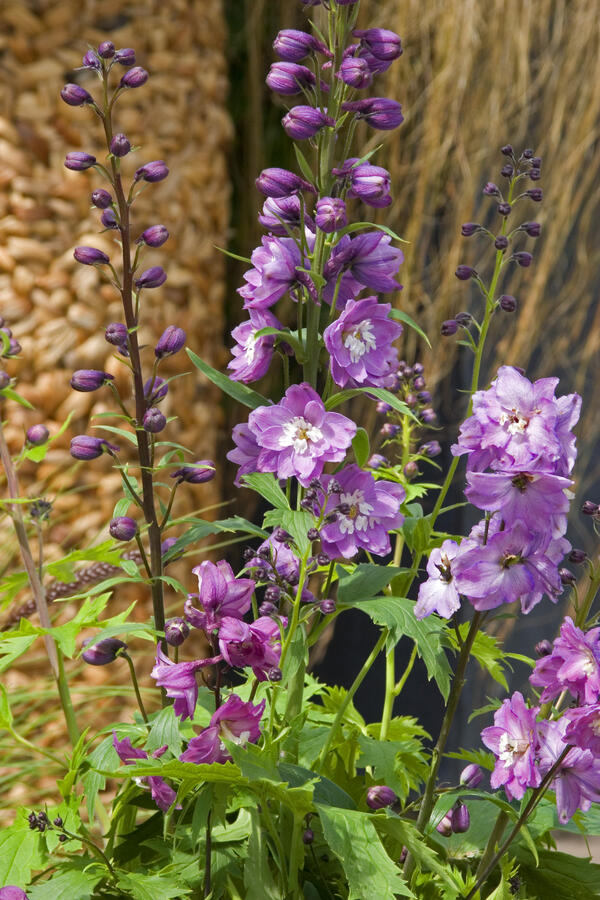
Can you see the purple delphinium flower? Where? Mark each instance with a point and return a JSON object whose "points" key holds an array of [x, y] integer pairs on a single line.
{"points": [[360, 344], [274, 272], [257, 645], [513, 739], [297, 436], [246, 452], [90, 256], [439, 593], [583, 728], [577, 780], [511, 565], [369, 258], [171, 341], [573, 665], [371, 184], [220, 594], [369, 511], [378, 112], [163, 795], [179, 681], [537, 498], [234, 721], [151, 278], [253, 355], [78, 161], [75, 95], [280, 214]]}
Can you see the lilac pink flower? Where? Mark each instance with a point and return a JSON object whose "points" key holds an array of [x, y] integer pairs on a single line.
{"points": [[360, 344], [513, 739]]}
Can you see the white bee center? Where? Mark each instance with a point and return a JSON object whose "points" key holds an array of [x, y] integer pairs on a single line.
{"points": [[358, 517], [359, 340], [299, 434]]}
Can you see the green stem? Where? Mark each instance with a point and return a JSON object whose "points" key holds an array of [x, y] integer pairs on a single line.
{"points": [[136, 688], [388, 703], [294, 857], [584, 609], [494, 838]]}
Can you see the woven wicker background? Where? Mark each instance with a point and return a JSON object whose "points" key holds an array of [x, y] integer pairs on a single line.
{"points": [[57, 308]]}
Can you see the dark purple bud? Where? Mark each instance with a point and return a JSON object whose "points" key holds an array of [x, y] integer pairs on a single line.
{"points": [[303, 122], [274, 674], [508, 303], [151, 278], [78, 161], [504, 209], [91, 61], [90, 256], [86, 380], [372, 184], [63, 838], [166, 546], [464, 319], [589, 508], [501, 242], [120, 145], [543, 648], [460, 818], [535, 174], [156, 389], [577, 556], [267, 608], [383, 408], [14, 348], [108, 219], [463, 273], [425, 396], [428, 416], [154, 420], [471, 776], [101, 198], [533, 229], [507, 150], [123, 528], [449, 327], [491, 189], [536, 162], [418, 368], [410, 469], [411, 400], [312, 534], [58, 822], [116, 334], [275, 182], [85, 447], [200, 472], [527, 154], [176, 631], [444, 826], [125, 56], [104, 652], [389, 430], [380, 796], [330, 214], [535, 194], [355, 72], [273, 593], [288, 78], [155, 236], [293, 46], [567, 577], [523, 259], [170, 342], [507, 171], [135, 78], [378, 112], [282, 536], [431, 449], [37, 435], [4, 379], [323, 559], [376, 461], [308, 834], [469, 228], [40, 509], [383, 44], [106, 50], [418, 383], [152, 171], [334, 487], [74, 95]]}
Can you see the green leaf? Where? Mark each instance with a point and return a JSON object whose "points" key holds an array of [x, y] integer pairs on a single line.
{"points": [[126, 435], [296, 521], [18, 854], [366, 580], [352, 837], [285, 336], [374, 393], [151, 887], [304, 164], [406, 834], [6, 718], [399, 764], [560, 876], [239, 392], [361, 447], [233, 255], [401, 316], [14, 646], [164, 730], [325, 791], [202, 529], [67, 884], [10, 394], [258, 878], [265, 484], [362, 226], [103, 757]]}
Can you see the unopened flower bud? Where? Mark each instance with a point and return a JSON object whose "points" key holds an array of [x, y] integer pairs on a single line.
{"points": [[383, 408], [294, 46], [90, 256], [303, 122], [430, 449], [418, 383], [543, 648], [355, 72], [155, 236], [120, 144], [116, 334], [535, 194], [308, 836], [460, 818], [103, 652], [323, 559], [154, 420], [566, 577], [267, 608], [74, 95], [125, 56], [155, 389], [378, 112], [85, 447], [507, 150], [523, 259], [86, 380], [589, 508], [151, 172], [469, 228], [577, 556], [90, 61], [108, 219], [471, 776], [533, 229], [390, 430], [198, 473], [101, 198], [289, 78], [312, 534], [380, 796], [508, 171], [106, 49], [40, 509], [376, 461], [330, 214], [37, 435], [123, 528], [62, 838], [463, 319], [424, 396], [278, 183], [463, 273], [410, 469], [170, 342], [504, 209], [449, 327], [14, 348], [508, 303], [327, 606], [527, 153], [134, 78], [429, 416], [334, 487], [535, 174], [501, 242], [78, 161], [176, 631], [371, 184], [444, 826], [58, 822], [151, 278], [4, 379], [382, 43], [491, 189], [274, 674]]}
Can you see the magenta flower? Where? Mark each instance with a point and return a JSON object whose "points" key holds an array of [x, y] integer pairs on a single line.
{"points": [[274, 272], [573, 665], [439, 593], [246, 452], [297, 436], [179, 681], [234, 721], [360, 344], [513, 739], [365, 512], [583, 728], [577, 781], [163, 795], [370, 260], [220, 594], [253, 355], [257, 645]]}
